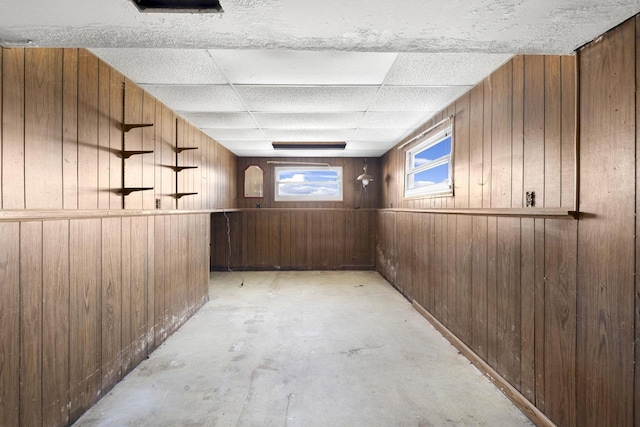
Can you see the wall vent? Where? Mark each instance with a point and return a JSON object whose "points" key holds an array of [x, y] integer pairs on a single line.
{"points": [[179, 6]]}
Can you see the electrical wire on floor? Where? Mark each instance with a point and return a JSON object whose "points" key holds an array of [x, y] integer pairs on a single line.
{"points": [[229, 244]]}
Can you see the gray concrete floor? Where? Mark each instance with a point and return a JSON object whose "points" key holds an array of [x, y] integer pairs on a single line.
{"points": [[305, 349]]}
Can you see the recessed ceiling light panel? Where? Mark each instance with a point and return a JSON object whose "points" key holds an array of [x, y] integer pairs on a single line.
{"points": [[179, 6], [308, 145]]}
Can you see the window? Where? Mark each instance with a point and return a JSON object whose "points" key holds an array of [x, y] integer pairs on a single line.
{"points": [[299, 184], [428, 170]]}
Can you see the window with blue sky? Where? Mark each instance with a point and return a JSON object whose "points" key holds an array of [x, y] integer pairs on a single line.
{"points": [[308, 183], [428, 168]]}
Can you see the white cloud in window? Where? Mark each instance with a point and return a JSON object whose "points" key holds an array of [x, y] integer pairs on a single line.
{"points": [[420, 162], [307, 190], [295, 178]]}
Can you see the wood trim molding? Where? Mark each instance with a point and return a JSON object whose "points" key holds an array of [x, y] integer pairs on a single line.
{"points": [[37, 215], [555, 213], [528, 408]]}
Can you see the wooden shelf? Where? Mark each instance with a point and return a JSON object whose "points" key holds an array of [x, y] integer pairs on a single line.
{"points": [[181, 195], [125, 154], [181, 149], [127, 127], [181, 168], [45, 215], [128, 190], [558, 213]]}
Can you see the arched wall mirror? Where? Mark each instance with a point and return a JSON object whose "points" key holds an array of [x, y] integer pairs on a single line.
{"points": [[253, 181]]}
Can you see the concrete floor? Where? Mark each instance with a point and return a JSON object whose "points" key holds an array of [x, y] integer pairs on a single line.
{"points": [[305, 349]]}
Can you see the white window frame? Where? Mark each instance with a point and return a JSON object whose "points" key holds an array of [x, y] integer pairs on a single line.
{"points": [[282, 198], [410, 170]]}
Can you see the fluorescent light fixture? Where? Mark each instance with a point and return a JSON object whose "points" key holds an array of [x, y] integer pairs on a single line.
{"points": [[305, 145], [16, 43], [179, 6]]}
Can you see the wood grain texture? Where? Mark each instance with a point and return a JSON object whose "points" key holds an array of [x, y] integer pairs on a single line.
{"points": [[70, 129], [605, 248], [87, 131], [133, 97], [139, 289], [560, 321], [116, 118], [527, 308], [534, 91], [85, 315], [31, 323], [9, 322], [43, 129], [104, 142], [13, 104], [111, 302], [55, 321]]}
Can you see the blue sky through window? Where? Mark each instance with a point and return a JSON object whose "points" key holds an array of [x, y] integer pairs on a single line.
{"points": [[308, 184], [432, 153], [436, 175]]}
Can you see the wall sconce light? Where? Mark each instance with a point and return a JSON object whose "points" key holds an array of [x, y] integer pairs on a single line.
{"points": [[365, 178]]}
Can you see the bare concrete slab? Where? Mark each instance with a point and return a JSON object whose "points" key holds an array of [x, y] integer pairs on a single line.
{"points": [[305, 349]]}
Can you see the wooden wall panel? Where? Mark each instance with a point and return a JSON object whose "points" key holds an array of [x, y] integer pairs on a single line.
{"points": [[606, 257], [10, 323], [76, 307], [111, 300], [104, 139], [491, 277], [31, 323], [554, 303], [560, 318], [70, 129], [43, 129], [85, 319], [116, 112], [259, 239], [55, 320], [61, 134], [87, 130], [139, 289], [13, 104]]}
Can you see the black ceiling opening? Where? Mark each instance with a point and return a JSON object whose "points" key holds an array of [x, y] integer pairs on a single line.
{"points": [[172, 6]]}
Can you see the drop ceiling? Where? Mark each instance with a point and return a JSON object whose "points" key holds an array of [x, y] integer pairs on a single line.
{"points": [[364, 72]]}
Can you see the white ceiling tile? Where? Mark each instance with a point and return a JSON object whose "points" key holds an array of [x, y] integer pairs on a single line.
{"points": [[416, 98], [235, 134], [394, 119], [307, 99], [295, 67], [380, 135], [308, 120], [164, 66], [309, 134], [197, 97], [219, 120], [443, 69]]}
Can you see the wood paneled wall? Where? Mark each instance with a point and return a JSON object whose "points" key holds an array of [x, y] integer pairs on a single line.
{"points": [[61, 125], [550, 304], [514, 132], [294, 239], [353, 196], [85, 300]]}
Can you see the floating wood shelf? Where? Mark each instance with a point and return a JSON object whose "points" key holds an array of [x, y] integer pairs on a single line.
{"points": [[128, 127], [181, 195], [128, 190], [181, 168], [125, 154], [181, 149]]}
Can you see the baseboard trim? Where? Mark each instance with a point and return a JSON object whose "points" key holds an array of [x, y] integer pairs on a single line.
{"points": [[528, 408]]}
